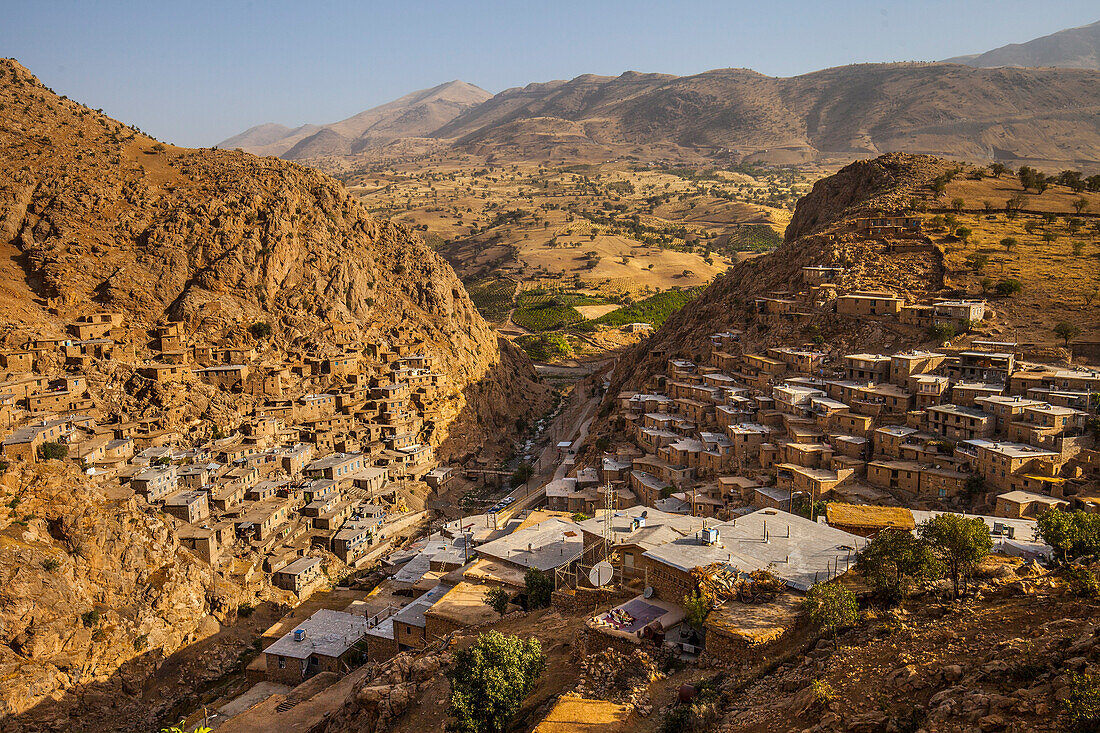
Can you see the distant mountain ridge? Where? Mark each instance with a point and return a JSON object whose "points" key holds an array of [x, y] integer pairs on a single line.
{"points": [[1040, 115], [414, 115], [1073, 48]]}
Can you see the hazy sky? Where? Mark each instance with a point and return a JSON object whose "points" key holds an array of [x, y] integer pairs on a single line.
{"points": [[194, 72]]}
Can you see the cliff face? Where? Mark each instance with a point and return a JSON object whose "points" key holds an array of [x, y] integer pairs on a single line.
{"points": [[101, 217], [816, 236], [88, 582]]}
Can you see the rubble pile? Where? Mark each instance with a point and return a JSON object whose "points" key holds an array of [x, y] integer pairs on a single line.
{"points": [[617, 677]]}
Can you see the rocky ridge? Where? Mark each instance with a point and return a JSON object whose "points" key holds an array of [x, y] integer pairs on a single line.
{"points": [[817, 235], [100, 217]]}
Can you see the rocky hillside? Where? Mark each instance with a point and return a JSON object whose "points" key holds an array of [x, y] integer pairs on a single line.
{"points": [[1073, 48], [89, 582], [96, 216], [817, 235], [835, 114], [413, 115]]}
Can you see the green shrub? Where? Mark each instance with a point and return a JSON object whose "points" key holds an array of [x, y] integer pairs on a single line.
{"points": [[53, 451], [831, 607], [245, 610], [823, 693], [140, 642], [1082, 581], [1010, 286], [90, 618], [51, 564], [942, 332], [696, 608], [539, 587], [1082, 705], [497, 599]]}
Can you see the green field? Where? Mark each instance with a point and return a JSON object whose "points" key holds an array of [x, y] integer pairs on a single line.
{"points": [[492, 297], [538, 310], [545, 346], [654, 310]]}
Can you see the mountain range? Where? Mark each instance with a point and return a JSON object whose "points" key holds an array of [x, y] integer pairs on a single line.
{"points": [[1073, 48], [414, 115], [981, 107]]}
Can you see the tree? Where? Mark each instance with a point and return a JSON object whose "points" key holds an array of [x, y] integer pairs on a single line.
{"points": [[1078, 249], [1080, 204], [490, 680], [1066, 331], [831, 607], [497, 599], [53, 451], [942, 332], [260, 329], [1073, 533], [977, 261], [987, 284], [522, 474], [958, 542], [539, 588], [958, 204], [964, 233], [1008, 243], [1011, 286], [696, 607], [892, 560]]}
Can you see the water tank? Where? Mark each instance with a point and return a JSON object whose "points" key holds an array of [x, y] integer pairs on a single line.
{"points": [[299, 634]]}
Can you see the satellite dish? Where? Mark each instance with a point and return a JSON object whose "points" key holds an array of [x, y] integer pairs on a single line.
{"points": [[600, 574], [645, 513], [648, 592]]}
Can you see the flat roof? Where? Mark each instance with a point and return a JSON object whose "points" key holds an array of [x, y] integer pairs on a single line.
{"points": [[300, 565], [799, 551], [545, 546], [327, 633]]}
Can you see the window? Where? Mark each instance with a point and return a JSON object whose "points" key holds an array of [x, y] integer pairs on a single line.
{"points": [[282, 663]]}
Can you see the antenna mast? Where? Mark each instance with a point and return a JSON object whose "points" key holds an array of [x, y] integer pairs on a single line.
{"points": [[608, 510]]}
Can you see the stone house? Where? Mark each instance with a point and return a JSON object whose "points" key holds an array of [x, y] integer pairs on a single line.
{"points": [[328, 641]]}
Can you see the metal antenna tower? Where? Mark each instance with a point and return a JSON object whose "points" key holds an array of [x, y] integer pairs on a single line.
{"points": [[608, 510]]}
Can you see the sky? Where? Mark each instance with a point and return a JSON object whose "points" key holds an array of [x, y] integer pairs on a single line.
{"points": [[193, 72]]}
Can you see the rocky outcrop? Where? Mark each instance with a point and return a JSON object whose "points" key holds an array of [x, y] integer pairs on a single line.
{"points": [[102, 217], [387, 691], [819, 234], [88, 582]]}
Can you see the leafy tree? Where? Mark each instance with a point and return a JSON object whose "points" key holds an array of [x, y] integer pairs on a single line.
{"points": [[958, 542], [942, 332], [522, 474], [987, 284], [497, 599], [893, 559], [539, 588], [1011, 286], [1008, 243], [1074, 534], [997, 169], [964, 233], [696, 607], [831, 607], [1080, 204], [1078, 249], [958, 204], [977, 261], [53, 451], [490, 680], [1066, 331]]}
